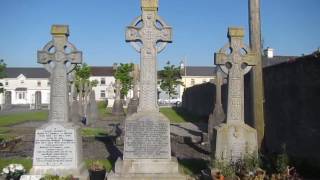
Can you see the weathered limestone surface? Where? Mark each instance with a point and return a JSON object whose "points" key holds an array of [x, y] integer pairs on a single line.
{"points": [[147, 151], [235, 138], [58, 144], [92, 109]]}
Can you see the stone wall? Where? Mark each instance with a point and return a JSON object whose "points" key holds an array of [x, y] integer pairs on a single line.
{"points": [[292, 102], [292, 108], [199, 99]]}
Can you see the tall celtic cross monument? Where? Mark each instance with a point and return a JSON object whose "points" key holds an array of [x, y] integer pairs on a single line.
{"points": [[147, 149], [234, 139], [58, 144], [154, 34]]}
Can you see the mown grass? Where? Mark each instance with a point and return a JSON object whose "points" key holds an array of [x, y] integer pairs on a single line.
{"points": [[93, 132], [103, 111], [179, 115], [26, 162], [12, 119]]}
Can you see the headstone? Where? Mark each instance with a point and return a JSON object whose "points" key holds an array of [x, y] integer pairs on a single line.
{"points": [[7, 99], [37, 100], [117, 108], [235, 139], [218, 116], [134, 101], [58, 144], [147, 149], [92, 109]]}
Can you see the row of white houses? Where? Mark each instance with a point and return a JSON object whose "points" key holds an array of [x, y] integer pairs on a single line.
{"points": [[23, 86]]}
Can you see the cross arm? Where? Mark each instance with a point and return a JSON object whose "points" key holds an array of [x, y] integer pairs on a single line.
{"points": [[250, 58], [221, 58], [75, 57], [165, 34], [132, 34], [44, 57]]}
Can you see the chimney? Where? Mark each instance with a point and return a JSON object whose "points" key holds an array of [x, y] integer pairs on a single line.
{"points": [[269, 52]]}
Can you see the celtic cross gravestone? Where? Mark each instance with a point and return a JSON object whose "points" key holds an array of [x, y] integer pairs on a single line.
{"points": [[147, 149], [58, 144], [154, 35], [234, 138]]}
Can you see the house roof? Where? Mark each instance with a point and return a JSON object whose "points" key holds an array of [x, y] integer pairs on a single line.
{"points": [[199, 71], [28, 72], [102, 70], [266, 62], [32, 72]]}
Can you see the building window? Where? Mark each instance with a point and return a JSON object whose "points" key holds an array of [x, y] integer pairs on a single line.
{"points": [[48, 83], [22, 81], [204, 80], [39, 83], [192, 82], [102, 93], [102, 81], [7, 83]]}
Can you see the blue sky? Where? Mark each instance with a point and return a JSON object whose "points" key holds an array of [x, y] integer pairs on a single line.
{"points": [[97, 27]]}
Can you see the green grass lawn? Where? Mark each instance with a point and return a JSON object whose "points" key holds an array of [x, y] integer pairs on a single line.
{"points": [[26, 162], [179, 115], [11, 119], [103, 111], [93, 132]]}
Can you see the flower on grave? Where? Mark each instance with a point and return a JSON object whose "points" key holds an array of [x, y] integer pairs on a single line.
{"points": [[13, 171]]}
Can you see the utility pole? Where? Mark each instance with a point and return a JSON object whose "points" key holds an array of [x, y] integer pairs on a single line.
{"points": [[256, 73]]}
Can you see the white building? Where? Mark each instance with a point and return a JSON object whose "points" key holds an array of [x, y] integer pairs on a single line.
{"points": [[21, 85]]}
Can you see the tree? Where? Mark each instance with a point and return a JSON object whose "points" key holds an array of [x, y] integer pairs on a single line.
{"points": [[83, 85], [2, 73], [123, 73], [170, 79]]}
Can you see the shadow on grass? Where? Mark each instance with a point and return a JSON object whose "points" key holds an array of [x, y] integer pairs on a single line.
{"points": [[193, 166], [110, 144]]}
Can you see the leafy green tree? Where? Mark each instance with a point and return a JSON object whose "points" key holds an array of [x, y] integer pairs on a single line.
{"points": [[123, 74], [82, 76], [170, 79], [2, 73]]}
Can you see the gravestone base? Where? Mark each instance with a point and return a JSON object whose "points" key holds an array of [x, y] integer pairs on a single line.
{"points": [[234, 140], [58, 151], [117, 109], [147, 150], [149, 169], [132, 106]]}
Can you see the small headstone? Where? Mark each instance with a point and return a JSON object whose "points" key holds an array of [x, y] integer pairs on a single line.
{"points": [[38, 100], [58, 144], [218, 116], [134, 101], [117, 108], [235, 139], [7, 99], [147, 149], [92, 109]]}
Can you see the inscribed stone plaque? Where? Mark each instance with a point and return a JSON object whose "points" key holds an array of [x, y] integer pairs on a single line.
{"points": [[55, 146], [147, 138]]}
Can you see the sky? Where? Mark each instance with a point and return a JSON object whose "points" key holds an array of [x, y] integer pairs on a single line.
{"points": [[97, 28]]}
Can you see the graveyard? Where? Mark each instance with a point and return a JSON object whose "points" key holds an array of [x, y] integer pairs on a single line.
{"points": [[248, 115]]}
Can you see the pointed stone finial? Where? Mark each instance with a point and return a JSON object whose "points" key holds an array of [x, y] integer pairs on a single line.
{"points": [[235, 32], [149, 5], [60, 30]]}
